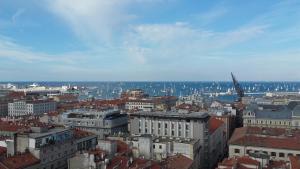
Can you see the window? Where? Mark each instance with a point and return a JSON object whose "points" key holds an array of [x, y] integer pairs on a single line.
{"points": [[187, 126], [290, 154], [154, 146], [281, 154], [237, 150], [248, 151], [273, 154], [160, 147]]}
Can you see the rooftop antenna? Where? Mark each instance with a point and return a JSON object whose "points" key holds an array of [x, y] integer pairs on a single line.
{"points": [[239, 90]]}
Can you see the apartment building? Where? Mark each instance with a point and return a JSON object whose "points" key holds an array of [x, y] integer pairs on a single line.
{"points": [[277, 116], [100, 122], [32, 107], [275, 143], [174, 125]]}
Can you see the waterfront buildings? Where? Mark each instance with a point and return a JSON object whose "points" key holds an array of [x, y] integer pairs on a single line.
{"points": [[101, 122], [30, 107]]}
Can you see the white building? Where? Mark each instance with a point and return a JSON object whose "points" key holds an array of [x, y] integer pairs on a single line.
{"points": [[278, 116], [143, 105], [276, 143], [35, 107]]}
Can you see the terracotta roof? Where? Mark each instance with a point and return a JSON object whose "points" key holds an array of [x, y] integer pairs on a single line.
{"points": [[54, 113], [278, 165], [214, 124], [78, 134], [121, 162], [252, 136], [122, 147], [247, 160], [140, 163], [238, 163], [178, 162], [20, 161], [294, 162], [11, 127]]}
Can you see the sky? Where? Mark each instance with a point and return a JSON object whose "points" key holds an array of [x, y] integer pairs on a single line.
{"points": [[149, 40]]}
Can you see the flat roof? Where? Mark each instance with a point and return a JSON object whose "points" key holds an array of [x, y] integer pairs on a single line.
{"points": [[49, 132], [173, 114]]}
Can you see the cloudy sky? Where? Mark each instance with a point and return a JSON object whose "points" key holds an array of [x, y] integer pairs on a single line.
{"points": [[144, 40]]}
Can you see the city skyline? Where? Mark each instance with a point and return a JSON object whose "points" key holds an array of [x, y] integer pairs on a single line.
{"points": [[149, 40]]}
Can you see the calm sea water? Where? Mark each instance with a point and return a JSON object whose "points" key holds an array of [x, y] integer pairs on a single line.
{"points": [[107, 90]]}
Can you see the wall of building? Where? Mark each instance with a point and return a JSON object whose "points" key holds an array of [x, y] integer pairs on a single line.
{"points": [[236, 150]]}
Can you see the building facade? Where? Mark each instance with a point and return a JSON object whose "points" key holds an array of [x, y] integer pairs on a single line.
{"points": [[175, 126], [277, 116], [275, 143], [35, 107], [101, 123]]}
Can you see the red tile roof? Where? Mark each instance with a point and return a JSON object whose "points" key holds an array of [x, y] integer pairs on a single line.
{"points": [[20, 161], [247, 160], [238, 163], [78, 134], [122, 147], [253, 136], [11, 127], [214, 124], [178, 162], [294, 162], [121, 162]]}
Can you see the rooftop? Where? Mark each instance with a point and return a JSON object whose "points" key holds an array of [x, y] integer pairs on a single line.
{"points": [[178, 162], [294, 162], [266, 137], [49, 132], [214, 124], [20, 161], [173, 114]]}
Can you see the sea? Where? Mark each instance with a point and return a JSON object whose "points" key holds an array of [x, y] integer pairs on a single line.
{"points": [[220, 90]]}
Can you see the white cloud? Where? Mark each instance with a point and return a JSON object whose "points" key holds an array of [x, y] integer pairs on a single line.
{"points": [[9, 49], [96, 22], [167, 43]]}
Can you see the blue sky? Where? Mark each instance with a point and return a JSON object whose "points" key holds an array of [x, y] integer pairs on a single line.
{"points": [[144, 40]]}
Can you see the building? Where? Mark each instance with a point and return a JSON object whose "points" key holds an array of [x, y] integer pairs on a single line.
{"points": [[53, 147], [173, 125], [100, 122], [21, 161], [275, 143], [217, 141], [33, 107], [178, 162], [84, 140], [278, 116], [151, 103], [239, 162], [92, 159], [161, 148], [142, 104], [3, 108]]}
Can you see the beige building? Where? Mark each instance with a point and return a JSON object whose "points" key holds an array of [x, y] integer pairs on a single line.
{"points": [[276, 143], [277, 116]]}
